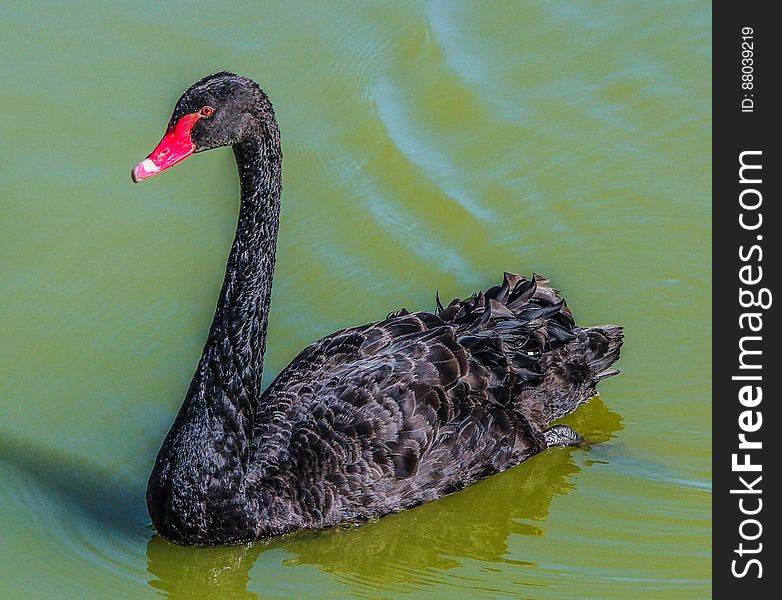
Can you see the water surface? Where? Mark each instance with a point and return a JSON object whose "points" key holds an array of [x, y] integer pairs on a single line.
{"points": [[428, 146]]}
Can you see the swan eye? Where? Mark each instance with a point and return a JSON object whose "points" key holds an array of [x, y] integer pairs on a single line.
{"points": [[206, 111]]}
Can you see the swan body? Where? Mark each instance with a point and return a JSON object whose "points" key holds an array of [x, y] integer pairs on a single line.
{"points": [[366, 421]]}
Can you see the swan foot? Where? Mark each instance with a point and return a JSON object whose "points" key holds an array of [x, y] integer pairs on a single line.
{"points": [[562, 435]]}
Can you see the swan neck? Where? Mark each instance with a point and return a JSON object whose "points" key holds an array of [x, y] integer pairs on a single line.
{"points": [[241, 318], [200, 468], [227, 382]]}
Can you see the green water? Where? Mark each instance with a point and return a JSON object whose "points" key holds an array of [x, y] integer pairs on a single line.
{"points": [[427, 146]]}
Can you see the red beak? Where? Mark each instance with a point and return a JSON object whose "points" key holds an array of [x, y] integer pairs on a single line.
{"points": [[175, 147]]}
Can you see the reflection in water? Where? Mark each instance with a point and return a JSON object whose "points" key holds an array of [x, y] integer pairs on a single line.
{"points": [[409, 548], [182, 572]]}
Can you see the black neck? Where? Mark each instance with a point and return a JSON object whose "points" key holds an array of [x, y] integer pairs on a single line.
{"points": [[240, 321], [211, 439]]}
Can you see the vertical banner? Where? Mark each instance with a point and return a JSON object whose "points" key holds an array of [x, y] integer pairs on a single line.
{"points": [[746, 267]]}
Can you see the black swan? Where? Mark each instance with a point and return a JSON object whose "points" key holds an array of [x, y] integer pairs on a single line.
{"points": [[368, 420]]}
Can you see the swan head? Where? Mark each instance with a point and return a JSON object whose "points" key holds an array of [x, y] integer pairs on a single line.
{"points": [[221, 109]]}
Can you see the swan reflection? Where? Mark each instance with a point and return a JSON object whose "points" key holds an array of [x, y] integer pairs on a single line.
{"points": [[407, 548]]}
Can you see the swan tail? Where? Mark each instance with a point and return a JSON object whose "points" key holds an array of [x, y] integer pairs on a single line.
{"points": [[573, 371], [605, 342], [540, 361]]}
